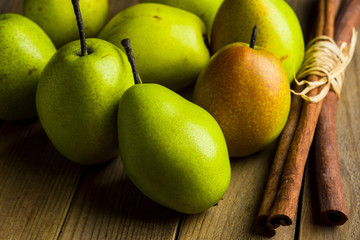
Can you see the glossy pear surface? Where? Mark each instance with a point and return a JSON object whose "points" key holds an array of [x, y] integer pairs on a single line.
{"points": [[204, 9], [168, 42], [25, 49], [57, 18], [77, 99], [172, 150], [248, 93], [279, 29]]}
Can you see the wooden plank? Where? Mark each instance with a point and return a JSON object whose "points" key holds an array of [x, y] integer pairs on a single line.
{"points": [[108, 206], [234, 216], [348, 132], [36, 183], [116, 6], [13, 6]]}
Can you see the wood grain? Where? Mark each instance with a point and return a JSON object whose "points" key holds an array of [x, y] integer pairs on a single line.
{"points": [[36, 183], [234, 217], [116, 6], [45, 196], [108, 206], [13, 6], [348, 132]]}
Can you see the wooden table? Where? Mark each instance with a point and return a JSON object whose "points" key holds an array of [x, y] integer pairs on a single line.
{"points": [[45, 196]]}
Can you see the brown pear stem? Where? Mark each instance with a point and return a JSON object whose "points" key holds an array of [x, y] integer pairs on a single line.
{"points": [[127, 46], [80, 24], [253, 37]]}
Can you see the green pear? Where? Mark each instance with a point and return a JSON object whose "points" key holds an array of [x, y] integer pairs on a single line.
{"points": [[57, 18], [77, 98], [168, 42], [25, 49], [204, 9], [172, 150], [247, 91], [280, 32]]}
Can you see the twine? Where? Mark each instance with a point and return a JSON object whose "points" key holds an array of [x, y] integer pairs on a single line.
{"points": [[325, 59]]}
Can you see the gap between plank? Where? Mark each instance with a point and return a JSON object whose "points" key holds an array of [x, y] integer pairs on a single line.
{"points": [[81, 179], [177, 232], [298, 215]]}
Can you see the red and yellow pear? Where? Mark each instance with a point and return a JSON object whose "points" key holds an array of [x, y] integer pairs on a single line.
{"points": [[247, 91]]}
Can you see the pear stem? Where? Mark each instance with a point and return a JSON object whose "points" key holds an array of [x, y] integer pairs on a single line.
{"points": [[253, 37], [84, 50], [127, 46]]}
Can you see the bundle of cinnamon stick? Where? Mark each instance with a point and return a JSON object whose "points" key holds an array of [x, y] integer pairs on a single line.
{"points": [[286, 174]]}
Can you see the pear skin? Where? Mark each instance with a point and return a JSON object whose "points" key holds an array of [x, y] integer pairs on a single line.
{"points": [[25, 49], [168, 42], [204, 9], [280, 33], [57, 18], [246, 90], [172, 150], [77, 99]]}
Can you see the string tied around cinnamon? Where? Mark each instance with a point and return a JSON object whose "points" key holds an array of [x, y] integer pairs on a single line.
{"points": [[324, 58]]}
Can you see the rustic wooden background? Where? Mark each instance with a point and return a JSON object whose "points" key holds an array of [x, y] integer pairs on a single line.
{"points": [[45, 196]]}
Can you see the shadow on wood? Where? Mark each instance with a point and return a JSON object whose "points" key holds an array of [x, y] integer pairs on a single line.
{"points": [[108, 204], [37, 183]]}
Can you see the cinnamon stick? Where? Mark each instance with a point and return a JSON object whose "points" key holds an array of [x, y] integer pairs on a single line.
{"points": [[347, 19], [285, 141], [285, 205], [278, 164], [328, 179]]}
